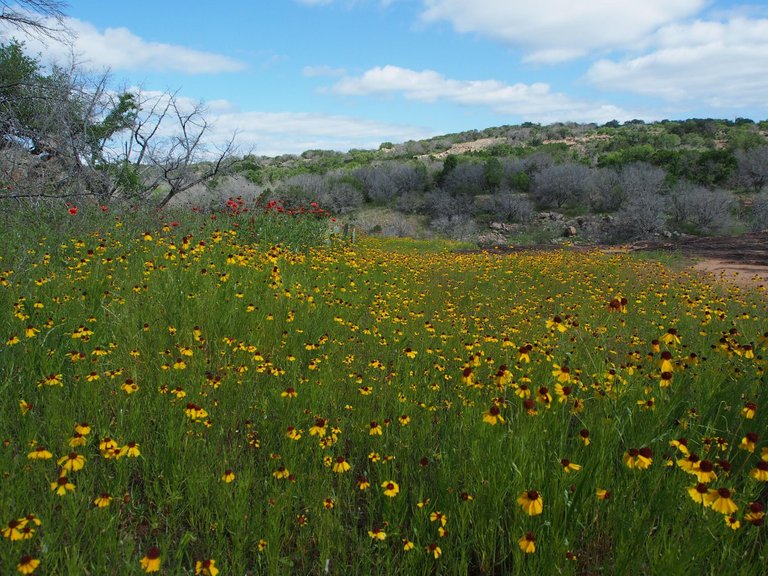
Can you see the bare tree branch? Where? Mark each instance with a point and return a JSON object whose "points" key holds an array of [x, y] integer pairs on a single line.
{"points": [[176, 161], [41, 18]]}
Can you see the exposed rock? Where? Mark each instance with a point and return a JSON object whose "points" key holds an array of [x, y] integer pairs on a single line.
{"points": [[555, 216], [464, 147], [570, 231], [503, 227], [491, 239]]}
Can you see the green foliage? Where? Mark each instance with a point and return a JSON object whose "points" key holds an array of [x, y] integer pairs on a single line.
{"points": [[449, 164], [296, 232], [20, 84], [713, 168], [119, 118], [637, 153], [746, 139], [520, 181], [125, 176], [175, 317], [494, 173]]}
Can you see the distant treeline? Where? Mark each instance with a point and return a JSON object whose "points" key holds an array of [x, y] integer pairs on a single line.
{"points": [[699, 176]]}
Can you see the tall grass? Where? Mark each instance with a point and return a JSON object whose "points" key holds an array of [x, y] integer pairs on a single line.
{"points": [[216, 346]]}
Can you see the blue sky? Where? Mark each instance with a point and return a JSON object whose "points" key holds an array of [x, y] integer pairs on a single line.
{"points": [[292, 75]]}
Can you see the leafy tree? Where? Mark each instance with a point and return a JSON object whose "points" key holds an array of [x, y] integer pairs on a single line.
{"points": [[637, 153], [449, 164], [494, 173], [20, 84], [713, 168], [63, 118]]}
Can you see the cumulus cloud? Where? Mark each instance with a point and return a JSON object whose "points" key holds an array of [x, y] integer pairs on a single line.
{"points": [[720, 63], [274, 133], [559, 30], [528, 101], [322, 71], [121, 49]]}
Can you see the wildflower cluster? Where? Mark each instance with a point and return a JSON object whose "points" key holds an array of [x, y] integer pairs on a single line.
{"points": [[215, 402]]}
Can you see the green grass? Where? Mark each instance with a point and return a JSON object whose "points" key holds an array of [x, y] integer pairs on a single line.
{"points": [[673, 259], [216, 325]]}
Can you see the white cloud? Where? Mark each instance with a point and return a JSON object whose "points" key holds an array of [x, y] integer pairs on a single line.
{"points": [[322, 71], [527, 101], [274, 133], [121, 49], [724, 64], [559, 30]]}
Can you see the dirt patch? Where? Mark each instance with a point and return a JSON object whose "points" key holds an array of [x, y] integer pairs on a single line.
{"points": [[740, 260], [743, 275], [747, 249]]}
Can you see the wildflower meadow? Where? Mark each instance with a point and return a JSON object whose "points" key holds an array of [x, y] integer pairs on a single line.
{"points": [[247, 393]]}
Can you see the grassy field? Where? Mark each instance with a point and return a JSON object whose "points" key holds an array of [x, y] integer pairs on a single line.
{"points": [[200, 395]]}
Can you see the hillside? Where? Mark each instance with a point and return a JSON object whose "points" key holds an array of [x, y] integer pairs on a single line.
{"points": [[532, 183]]}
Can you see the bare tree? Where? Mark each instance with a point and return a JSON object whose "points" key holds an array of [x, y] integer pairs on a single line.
{"points": [[759, 219], [167, 147], [465, 178], [561, 185], [606, 193], [41, 18], [457, 227], [341, 197], [439, 204], [55, 127], [511, 207], [642, 216], [752, 168], [700, 210], [639, 178], [384, 183]]}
